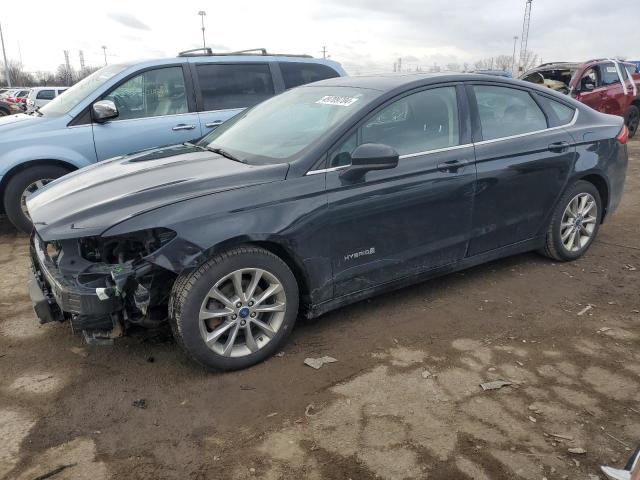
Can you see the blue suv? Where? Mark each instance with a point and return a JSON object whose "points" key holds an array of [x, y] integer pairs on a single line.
{"points": [[129, 107]]}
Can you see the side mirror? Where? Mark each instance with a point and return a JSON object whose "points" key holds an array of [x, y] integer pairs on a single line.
{"points": [[104, 110], [370, 156]]}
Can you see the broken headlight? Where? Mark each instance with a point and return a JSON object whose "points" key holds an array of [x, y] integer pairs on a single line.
{"points": [[124, 248]]}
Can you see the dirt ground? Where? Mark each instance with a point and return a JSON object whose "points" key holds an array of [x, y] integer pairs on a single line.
{"points": [[403, 400]]}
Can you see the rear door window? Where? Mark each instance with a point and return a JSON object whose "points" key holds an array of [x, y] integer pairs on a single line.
{"points": [[153, 93], [609, 74], [46, 95], [505, 112], [298, 73], [234, 86]]}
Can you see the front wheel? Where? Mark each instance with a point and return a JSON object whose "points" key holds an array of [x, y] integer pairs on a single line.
{"points": [[575, 223], [236, 309], [24, 184]]}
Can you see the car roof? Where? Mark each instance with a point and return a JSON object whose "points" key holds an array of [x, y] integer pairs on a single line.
{"points": [[243, 58], [391, 81]]}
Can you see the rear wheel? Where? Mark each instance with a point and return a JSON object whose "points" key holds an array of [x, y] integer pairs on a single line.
{"points": [[236, 309], [575, 223], [633, 120], [24, 184]]}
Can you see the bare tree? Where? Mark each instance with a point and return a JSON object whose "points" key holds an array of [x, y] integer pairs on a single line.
{"points": [[453, 67], [64, 75], [503, 62], [43, 78], [530, 60], [86, 72], [18, 75]]}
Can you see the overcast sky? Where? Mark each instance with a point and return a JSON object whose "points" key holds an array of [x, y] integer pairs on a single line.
{"points": [[364, 35]]}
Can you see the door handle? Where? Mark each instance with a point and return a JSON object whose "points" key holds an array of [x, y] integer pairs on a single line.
{"points": [[559, 147], [452, 166], [215, 123], [183, 126]]}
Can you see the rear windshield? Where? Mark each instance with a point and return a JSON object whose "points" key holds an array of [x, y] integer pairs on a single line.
{"points": [[63, 104]]}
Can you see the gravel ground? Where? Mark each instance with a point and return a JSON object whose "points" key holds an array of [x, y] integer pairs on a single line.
{"points": [[403, 400]]}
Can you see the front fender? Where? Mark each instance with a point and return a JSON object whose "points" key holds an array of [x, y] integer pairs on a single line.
{"points": [[290, 214], [72, 145]]}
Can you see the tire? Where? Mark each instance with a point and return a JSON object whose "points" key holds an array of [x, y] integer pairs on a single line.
{"points": [[558, 245], [191, 296], [632, 120], [16, 187]]}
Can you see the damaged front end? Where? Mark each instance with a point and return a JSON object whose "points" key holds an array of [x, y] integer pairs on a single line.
{"points": [[102, 285]]}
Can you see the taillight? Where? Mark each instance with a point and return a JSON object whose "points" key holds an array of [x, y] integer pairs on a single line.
{"points": [[623, 136]]}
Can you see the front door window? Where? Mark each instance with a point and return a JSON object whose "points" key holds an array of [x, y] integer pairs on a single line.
{"points": [[153, 93]]}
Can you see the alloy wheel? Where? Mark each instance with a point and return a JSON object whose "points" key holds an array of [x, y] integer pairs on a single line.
{"points": [[579, 222], [32, 188], [242, 312]]}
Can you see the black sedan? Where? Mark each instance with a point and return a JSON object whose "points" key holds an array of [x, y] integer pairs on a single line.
{"points": [[321, 196]]}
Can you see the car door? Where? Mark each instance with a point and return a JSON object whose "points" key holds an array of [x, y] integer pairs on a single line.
{"points": [[400, 222], [614, 99], [591, 89], [154, 110], [523, 160], [225, 89]]}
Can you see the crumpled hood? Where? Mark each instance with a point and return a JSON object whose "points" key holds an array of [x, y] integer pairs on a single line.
{"points": [[91, 200]]}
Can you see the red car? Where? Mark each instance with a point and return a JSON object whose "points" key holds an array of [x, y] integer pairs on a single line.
{"points": [[606, 85]]}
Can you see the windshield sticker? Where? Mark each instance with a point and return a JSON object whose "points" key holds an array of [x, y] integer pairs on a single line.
{"points": [[611, 70], [337, 100]]}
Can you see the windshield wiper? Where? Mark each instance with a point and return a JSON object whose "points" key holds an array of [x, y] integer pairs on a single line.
{"points": [[225, 154]]}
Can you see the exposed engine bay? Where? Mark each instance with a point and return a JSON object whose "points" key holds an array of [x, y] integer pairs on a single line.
{"points": [[556, 78], [102, 285]]}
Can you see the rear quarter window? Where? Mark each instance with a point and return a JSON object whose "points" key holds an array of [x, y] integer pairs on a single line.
{"points": [[296, 73], [563, 113]]}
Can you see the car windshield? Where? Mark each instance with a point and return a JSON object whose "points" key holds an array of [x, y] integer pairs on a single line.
{"points": [[282, 127], [74, 95]]}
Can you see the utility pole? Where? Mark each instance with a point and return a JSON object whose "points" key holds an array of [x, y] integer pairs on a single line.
{"points": [[524, 38], [513, 59], [4, 55], [202, 14], [399, 64], [81, 61], [68, 71], [104, 50], [324, 52]]}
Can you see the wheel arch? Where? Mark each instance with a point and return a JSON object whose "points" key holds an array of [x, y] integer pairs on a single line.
{"points": [[6, 178], [277, 246], [602, 186]]}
